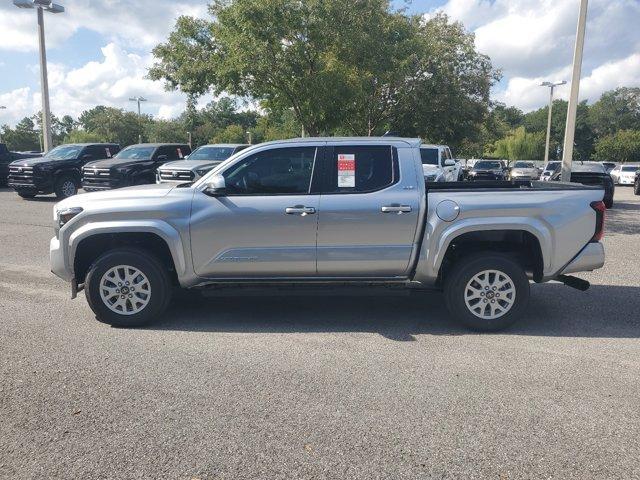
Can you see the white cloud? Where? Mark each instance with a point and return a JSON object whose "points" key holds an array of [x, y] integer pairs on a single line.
{"points": [[19, 103], [111, 81], [139, 24], [532, 41]]}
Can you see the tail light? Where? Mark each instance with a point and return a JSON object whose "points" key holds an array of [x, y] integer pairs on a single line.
{"points": [[600, 213]]}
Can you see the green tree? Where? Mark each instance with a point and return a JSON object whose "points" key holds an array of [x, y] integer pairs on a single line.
{"points": [[165, 131], [536, 121], [520, 145], [617, 109], [82, 136], [622, 146], [24, 136], [230, 134], [351, 67], [114, 124]]}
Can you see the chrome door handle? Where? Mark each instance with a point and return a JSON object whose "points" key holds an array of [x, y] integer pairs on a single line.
{"points": [[396, 209], [299, 210]]}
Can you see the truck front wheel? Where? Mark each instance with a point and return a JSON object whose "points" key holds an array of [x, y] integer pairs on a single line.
{"points": [[487, 292], [127, 288]]}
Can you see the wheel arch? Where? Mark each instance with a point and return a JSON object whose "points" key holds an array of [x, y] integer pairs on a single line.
{"points": [[159, 238]]}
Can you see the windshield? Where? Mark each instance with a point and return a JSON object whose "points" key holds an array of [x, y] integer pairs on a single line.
{"points": [[630, 168], [523, 165], [211, 153], [64, 152], [551, 166], [429, 156], [487, 165], [136, 153]]}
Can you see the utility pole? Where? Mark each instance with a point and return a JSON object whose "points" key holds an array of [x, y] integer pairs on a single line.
{"points": [[138, 99], [41, 6], [551, 86], [570, 129], [2, 107]]}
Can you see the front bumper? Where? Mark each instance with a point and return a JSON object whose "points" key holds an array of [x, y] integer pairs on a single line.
{"points": [[590, 258], [626, 180], [58, 260]]}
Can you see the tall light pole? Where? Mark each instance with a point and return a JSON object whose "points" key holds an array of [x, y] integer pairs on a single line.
{"points": [[2, 107], [41, 6], [570, 129], [551, 86], [138, 99]]}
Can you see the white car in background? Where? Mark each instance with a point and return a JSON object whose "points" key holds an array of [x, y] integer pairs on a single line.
{"points": [[198, 163], [624, 174], [438, 165]]}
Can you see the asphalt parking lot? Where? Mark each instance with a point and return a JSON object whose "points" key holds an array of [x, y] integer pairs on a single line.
{"points": [[333, 387]]}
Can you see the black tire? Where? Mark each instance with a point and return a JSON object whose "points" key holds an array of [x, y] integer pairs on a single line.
{"points": [[150, 266], [608, 202], [65, 187], [636, 188], [464, 271], [27, 195]]}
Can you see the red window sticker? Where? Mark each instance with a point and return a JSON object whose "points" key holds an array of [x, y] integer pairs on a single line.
{"points": [[180, 153], [346, 170]]}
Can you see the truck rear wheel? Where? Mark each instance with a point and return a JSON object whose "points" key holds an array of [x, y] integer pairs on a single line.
{"points": [[488, 292], [127, 288], [636, 187]]}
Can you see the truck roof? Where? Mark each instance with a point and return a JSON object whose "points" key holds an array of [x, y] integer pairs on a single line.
{"points": [[432, 145], [410, 142], [157, 144]]}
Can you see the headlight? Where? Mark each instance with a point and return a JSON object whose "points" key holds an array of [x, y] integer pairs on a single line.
{"points": [[63, 216], [472, 173], [203, 171]]}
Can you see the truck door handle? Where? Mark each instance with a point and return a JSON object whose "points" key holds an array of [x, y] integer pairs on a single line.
{"points": [[396, 209], [299, 210]]}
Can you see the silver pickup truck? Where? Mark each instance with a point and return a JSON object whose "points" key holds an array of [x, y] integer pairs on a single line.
{"points": [[327, 212]]}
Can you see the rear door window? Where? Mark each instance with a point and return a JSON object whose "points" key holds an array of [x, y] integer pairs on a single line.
{"points": [[360, 169]]}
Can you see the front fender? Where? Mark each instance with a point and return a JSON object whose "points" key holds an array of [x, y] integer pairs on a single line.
{"points": [[165, 231]]}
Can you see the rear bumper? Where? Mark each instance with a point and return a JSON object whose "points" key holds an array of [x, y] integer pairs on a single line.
{"points": [[590, 258]]}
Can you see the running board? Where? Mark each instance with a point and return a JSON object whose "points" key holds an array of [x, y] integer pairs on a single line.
{"points": [[574, 282]]}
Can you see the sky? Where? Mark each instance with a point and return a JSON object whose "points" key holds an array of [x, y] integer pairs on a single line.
{"points": [[99, 50]]}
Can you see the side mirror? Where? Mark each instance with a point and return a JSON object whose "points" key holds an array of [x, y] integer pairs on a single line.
{"points": [[216, 186], [449, 162], [87, 156], [162, 158]]}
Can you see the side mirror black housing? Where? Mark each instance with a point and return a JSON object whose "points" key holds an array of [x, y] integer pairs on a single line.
{"points": [[216, 186], [162, 158], [87, 156]]}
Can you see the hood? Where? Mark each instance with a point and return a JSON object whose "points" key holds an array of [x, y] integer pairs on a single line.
{"points": [[30, 162], [430, 169], [487, 170], [189, 164], [524, 170], [114, 162], [134, 194]]}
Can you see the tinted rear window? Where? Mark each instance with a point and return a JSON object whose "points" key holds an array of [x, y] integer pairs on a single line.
{"points": [[360, 169], [429, 156]]}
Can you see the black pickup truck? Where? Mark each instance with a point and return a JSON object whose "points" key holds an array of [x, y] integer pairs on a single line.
{"points": [[58, 171], [587, 173], [6, 157], [134, 165]]}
